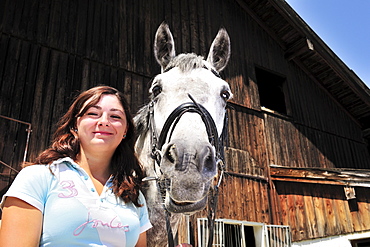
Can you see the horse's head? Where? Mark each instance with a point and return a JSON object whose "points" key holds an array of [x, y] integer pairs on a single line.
{"points": [[188, 159]]}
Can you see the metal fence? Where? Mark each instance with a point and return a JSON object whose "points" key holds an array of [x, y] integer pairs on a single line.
{"points": [[232, 233]]}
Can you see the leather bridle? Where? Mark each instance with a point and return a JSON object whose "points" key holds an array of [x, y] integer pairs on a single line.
{"points": [[166, 133]]}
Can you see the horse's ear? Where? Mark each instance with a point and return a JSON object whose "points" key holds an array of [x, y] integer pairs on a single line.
{"points": [[164, 46], [220, 50]]}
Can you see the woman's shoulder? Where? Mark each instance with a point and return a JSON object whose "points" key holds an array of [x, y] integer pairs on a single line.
{"points": [[47, 169], [34, 169]]}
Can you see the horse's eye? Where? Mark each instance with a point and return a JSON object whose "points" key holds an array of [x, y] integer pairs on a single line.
{"points": [[225, 95], [156, 90]]}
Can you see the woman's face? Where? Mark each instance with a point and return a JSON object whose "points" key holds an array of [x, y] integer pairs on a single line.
{"points": [[103, 126]]}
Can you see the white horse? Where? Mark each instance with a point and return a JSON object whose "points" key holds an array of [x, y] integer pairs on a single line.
{"points": [[180, 156]]}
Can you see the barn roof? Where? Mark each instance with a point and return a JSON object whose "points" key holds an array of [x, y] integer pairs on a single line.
{"points": [[304, 47]]}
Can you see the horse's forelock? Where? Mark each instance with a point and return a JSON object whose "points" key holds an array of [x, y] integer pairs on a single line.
{"points": [[187, 62]]}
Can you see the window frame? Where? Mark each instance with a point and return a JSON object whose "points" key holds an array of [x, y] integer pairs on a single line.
{"points": [[264, 86]]}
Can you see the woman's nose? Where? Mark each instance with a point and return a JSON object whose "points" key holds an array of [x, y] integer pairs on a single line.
{"points": [[103, 120]]}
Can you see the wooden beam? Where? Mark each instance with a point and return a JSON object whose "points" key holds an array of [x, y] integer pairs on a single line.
{"points": [[344, 177], [241, 175], [315, 181], [298, 48]]}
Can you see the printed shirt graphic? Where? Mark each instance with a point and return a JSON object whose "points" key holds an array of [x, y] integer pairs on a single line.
{"points": [[74, 213]]}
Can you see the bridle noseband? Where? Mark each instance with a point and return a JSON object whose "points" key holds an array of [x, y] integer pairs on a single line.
{"points": [[166, 133]]}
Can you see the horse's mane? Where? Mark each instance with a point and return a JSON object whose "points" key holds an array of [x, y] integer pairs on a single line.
{"points": [[185, 62], [141, 120]]}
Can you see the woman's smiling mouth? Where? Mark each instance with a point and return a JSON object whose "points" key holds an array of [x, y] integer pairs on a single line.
{"points": [[104, 133]]}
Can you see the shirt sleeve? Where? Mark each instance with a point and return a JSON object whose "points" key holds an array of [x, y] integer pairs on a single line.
{"points": [[31, 185], [144, 215]]}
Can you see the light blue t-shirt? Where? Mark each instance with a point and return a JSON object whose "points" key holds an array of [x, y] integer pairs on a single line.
{"points": [[74, 213]]}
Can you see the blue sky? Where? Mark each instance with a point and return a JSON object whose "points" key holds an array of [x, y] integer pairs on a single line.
{"points": [[344, 25]]}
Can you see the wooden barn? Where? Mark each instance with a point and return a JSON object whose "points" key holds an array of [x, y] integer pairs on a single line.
{"points": [[298, 154]]}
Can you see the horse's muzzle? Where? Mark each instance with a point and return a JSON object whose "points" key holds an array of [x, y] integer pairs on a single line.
{"points": [[190, 171]]}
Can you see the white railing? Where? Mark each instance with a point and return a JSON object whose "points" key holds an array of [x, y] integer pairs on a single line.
{"points": [[278, 236], [233, 233]]}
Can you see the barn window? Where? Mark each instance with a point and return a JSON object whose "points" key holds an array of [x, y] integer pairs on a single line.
{"points": [[233, 233], [272, 92], [365, 242]]}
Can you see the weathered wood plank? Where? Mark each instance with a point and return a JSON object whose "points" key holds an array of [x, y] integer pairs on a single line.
{"points": [[80, 27], [310, 216], [9, 76]]}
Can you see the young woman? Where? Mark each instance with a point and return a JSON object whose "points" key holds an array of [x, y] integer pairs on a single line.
{"points": [[85, 189]]}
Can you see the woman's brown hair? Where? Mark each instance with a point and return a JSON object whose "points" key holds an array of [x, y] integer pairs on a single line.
{"points": [[126, 169]]}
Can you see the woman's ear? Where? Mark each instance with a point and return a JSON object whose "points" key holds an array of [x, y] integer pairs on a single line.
{"points": [[125, 133]]}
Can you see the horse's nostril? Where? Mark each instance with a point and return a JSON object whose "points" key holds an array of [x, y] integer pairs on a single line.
{"points": [[171, 153], [209, 164]]}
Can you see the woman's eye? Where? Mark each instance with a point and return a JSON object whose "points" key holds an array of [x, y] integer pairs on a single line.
{"points": [[116, 116], [92, 114], [225, 95], [156, 90]]}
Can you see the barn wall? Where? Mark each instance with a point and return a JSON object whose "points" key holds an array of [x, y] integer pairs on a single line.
{"points": [[49, 51], [315, 210], [44, 81], [295, 145]]}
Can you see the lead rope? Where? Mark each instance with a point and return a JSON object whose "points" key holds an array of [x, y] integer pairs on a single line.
{"points": [[169, 229], [212, 207]]}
